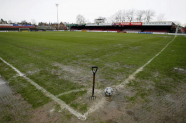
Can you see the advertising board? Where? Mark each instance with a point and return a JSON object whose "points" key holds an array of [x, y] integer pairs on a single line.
{"points": [[125, 24], [145, 32], [6, 24], [131, 32]]}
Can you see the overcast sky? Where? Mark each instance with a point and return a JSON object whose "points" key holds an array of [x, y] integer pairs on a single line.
{"points": [[46, 11]]}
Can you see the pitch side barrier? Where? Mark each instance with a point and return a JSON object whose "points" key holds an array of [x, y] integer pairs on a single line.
{"points": [[177, 34], [107, 31], [160, 33], [3, 30], [121, 32], [8, 31], [157, 33], [145, 32], [90, 31]]}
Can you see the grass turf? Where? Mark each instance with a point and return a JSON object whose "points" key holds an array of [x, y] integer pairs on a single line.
{"points": [[163, 74], [117, 56]]}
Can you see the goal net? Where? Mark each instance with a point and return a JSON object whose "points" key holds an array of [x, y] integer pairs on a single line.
{"points": [[24, 29]]}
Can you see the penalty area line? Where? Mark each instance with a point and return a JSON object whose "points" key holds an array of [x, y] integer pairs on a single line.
{"points": [[62, 104]]}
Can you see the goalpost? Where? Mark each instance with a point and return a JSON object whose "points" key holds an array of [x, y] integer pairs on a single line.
{"points": [[24, 29]]}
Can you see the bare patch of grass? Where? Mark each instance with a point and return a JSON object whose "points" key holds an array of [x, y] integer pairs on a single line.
{"points": [[73, 73]]}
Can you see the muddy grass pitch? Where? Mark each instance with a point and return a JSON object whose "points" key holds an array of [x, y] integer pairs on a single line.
{"points": [[59, 64]]}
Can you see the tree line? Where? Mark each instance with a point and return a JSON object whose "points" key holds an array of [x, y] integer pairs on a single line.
{"points": [[127, 16]]}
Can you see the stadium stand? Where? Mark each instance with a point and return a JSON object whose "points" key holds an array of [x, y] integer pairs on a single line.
{"points": [[126, 27], [184, 30], [16, 27], [158, 27]]}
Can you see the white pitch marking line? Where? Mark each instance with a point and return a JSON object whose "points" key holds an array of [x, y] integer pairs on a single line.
{"points": [[132, 76], [94, 108], [19, 73], [57, 100], [2, 83], [70, 92]]}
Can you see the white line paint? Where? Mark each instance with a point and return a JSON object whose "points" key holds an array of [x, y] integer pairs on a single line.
{"points": [[70, 92], [93, 108], [97, 106], [2, 83], [132, 76], [19, 73], [54, 98]]}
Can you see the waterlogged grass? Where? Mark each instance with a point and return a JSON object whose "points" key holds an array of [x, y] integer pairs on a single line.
{"points": [[163, 74], [117, 55], [52, 83], [33, 96], [7, 118], [70, 98], [81, 107], [6, 71], [29, 92]]}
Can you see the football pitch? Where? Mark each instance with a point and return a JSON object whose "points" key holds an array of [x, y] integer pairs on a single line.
{"points": [[60, 62]]}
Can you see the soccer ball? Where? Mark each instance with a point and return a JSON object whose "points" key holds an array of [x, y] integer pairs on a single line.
{"points": [[108, 91]]}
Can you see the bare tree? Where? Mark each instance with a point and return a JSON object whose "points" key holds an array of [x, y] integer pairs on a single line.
{"points": [[184, 25], [33, 21], [110, 19], [130, 15], [123, 16], [87, 21], [149, 14], [23, 22], [140, 15], [120, 16], [80, 19], [10, 22], [177, 23], [117, 17], [161, 17]]}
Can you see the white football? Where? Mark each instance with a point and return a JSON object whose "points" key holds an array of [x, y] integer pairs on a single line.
{"points": [[108, 91]]}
